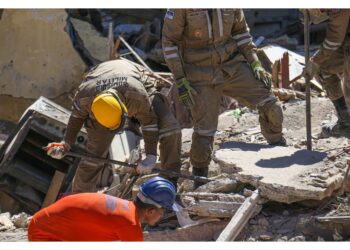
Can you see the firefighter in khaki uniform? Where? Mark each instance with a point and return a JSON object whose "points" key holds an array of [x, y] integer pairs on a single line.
{"points": [[329, 62], [207, 51], [111, 91]]}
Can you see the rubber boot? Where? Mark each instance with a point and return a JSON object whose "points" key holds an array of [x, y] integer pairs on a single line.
{"points": [[199, 172], [342, 126]]}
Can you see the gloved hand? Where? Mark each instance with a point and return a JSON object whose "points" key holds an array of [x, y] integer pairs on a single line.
{"points": [[311, 69], [261, 74], [57, 150], [185, 94], [147, 164]]}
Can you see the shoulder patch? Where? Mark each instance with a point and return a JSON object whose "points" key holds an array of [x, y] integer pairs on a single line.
{"points": [[169, 14]]}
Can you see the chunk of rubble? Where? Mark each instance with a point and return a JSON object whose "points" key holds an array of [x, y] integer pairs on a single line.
{"points": [[203, 232], [95, 44], [5, 222], [20, 220], [212, 205], [282, 174], [222, 185]]}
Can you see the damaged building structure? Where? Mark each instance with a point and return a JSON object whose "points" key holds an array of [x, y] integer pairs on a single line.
{"points": [[248, 179]]}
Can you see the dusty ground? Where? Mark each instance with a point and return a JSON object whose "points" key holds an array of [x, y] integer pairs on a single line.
{"points": [[276, 221]]}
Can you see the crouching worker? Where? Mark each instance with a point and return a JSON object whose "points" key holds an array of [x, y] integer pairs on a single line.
{"points": [[110, 92], [100, 217]]}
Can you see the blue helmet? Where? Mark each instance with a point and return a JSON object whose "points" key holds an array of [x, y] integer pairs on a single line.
{"points": [[158, 192]]}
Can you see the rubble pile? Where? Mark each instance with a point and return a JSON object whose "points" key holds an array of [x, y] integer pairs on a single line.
{"points": [[13, 228], [298, 193]]}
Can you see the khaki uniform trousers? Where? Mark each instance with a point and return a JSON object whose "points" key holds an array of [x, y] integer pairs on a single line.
{"points": [[169, 134], [330, 72], [248, 91]]}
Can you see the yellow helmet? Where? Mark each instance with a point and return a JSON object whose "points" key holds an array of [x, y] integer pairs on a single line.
{"points": [[108, 110]]}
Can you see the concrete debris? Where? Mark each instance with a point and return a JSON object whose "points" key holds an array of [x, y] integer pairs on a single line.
{"points": [[284, 41], [282, 174], [21, 220], [5, 222], [92, 41], [211, 197], [35, 44], [203, 232], [224, 185], [212, 205]]}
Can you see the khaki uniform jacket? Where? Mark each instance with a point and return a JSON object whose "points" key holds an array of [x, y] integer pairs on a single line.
{"points": [[126, 78], [338, 32], [199, 43]]}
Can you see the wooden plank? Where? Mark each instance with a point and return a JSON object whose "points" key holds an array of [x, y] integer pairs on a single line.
{"points": [[240, 219], [139, 59], [54, 188], [110, 40]]}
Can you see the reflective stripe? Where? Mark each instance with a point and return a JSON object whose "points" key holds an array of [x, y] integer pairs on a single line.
{"points": [[170, 48], [241, 35], [332, 43], [76, 106], [152, 127], [247, 40], [205, 132], [209, 26], [325, 45], [162, 135], [174, 55], [325, 76], [221, 28], [164, 130]]}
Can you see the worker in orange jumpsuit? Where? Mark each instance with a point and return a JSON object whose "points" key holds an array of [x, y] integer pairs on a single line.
{"points": [[101, 217]]}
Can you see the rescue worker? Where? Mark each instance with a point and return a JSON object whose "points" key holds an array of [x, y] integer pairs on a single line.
{"points": [[211, 53], [101, 217], [329, 62], [110, 92]]}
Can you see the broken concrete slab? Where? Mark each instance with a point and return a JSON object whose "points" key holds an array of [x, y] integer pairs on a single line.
{"points": [[31, 55], [32, 51], [96, 44], [282, 174], [219, 209], [203, 232], [211, 204]]}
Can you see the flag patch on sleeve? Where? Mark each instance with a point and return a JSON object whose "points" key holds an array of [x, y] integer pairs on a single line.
{"points": [[169, 14]]}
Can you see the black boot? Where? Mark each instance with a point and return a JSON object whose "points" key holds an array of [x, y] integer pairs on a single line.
{"points": [[342, 126], [199, 172]]}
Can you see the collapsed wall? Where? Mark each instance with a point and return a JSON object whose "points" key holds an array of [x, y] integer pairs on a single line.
{"points": [[37, 58]]}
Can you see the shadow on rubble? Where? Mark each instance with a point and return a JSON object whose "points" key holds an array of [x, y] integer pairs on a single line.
{"points": [[301, 157], [242, 146]]}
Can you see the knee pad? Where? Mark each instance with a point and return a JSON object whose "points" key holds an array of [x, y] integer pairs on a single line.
{"points": [[201, 149], [331, 84], [272, 114]]}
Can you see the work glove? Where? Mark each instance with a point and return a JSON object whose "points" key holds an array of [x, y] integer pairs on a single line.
{"points": [[311, 69], [146, 165], [185, 92], [57, 150], [261, 74]]}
